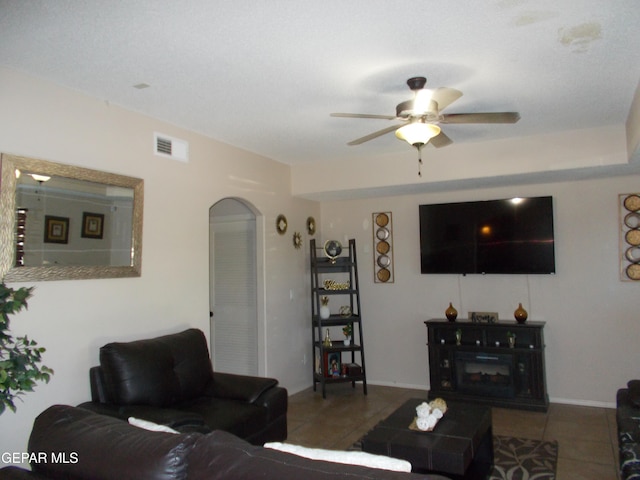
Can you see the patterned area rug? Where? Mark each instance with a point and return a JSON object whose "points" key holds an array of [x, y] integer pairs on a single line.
{"points": [[519, 458], [523, 459]]}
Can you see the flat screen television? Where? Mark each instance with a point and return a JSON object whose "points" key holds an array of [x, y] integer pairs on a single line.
{"points": [[513, 236]]}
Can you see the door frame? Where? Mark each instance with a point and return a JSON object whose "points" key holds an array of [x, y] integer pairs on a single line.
{"points": [[260, 279]]}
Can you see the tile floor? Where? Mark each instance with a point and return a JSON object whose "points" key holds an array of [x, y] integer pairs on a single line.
{"points": [[586, 435]]}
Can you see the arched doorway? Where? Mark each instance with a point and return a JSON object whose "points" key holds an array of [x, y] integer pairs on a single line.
{"points": [[235, 287]]}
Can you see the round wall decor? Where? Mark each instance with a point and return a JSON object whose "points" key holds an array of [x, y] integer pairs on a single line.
{"points": [[311, 225], [383, 247], [281, 224], [629, 215]]}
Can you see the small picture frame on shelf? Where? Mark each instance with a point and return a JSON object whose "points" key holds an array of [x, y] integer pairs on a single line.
{"points": [[483, 317], [333, 365]]}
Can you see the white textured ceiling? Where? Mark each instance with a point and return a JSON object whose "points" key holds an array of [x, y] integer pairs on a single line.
{"points": [[264, 75]]}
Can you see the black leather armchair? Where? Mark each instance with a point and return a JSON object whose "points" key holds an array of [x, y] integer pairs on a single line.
{"points": [[169, 380]]}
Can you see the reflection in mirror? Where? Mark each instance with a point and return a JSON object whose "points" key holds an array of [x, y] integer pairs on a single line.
{"points": [[65, 222]]}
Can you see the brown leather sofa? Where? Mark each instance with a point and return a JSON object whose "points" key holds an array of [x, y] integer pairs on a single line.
{"points": [[74, 443], [169, 380]]}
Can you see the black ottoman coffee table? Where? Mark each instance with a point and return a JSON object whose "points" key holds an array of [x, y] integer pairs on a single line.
{"points": [[460, 446]]}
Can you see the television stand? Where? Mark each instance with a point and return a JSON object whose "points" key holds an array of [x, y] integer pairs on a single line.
{"points": [[499, 364]]}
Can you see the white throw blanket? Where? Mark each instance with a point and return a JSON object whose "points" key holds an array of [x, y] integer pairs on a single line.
{"points": [[340, 456]]}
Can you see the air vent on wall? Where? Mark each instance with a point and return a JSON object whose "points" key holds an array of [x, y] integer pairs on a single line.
{"points": [[166, 146]]}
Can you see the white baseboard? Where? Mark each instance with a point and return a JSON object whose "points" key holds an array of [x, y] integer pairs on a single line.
{"points": [[399, 385], [566, 401], [582, 403]]}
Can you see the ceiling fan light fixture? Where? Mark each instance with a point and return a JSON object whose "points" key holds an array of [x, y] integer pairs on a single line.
{"points": [[40, 178], [417, 134]]}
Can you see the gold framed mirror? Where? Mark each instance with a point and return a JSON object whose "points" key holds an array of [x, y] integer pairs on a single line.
{"points": [[62, 222]]}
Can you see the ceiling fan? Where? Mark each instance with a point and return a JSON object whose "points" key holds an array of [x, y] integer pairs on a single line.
{"points": [[421, 117]]}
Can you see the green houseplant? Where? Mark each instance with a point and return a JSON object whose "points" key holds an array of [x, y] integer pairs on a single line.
{"points": [[19, 357]]}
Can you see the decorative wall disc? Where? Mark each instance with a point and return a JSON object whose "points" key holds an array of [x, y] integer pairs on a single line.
{"points": [[383, 275], [311, 225], [633, 254], [382, 233], [382, 219], [632, 202], [633, 271], [281, 224], [632, 220], [383, 247], [297, 240], [384, 261], [633, 237]]}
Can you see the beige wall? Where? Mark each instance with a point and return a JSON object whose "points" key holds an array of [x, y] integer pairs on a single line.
{"points": [[591, 335], [592, 328], [72, 319]]}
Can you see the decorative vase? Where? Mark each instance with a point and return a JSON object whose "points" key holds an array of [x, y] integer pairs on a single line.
{"points": [[324, 308], [327, 340], [451, 313], [347, 341], [520, 314]]}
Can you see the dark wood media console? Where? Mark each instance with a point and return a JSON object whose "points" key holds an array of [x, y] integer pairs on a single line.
{"points": [[500, 364]]}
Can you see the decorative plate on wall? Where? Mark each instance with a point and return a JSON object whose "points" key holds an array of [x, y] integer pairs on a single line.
{"points": [[383, 251], [629, 220]]}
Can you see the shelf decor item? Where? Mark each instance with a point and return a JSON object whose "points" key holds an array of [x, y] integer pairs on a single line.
{"points": [[325, 312], [451, 313], [332, 249], [520, 314], [347, 331], [327, 339]]}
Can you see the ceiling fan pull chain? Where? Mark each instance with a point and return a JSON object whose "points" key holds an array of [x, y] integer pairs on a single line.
{"points": [[419, 161]]}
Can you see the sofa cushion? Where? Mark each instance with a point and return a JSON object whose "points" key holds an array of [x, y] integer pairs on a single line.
{"points": [[634, 392], [241, 419], [84, 438], [245, 388], [222, 456], [158, 371], [191, 361], [139, 372], [365, 459]]}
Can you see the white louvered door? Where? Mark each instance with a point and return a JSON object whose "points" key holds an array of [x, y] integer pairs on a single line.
{"points": [[234, 324]]}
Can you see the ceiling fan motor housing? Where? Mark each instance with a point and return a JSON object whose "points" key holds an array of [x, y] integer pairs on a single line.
{"points": [[417, 83]]}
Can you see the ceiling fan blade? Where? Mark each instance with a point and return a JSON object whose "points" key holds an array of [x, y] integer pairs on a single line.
{"points": [[441, 140], [362, 115], [373, 135], [487, 117], [445, 96]]}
